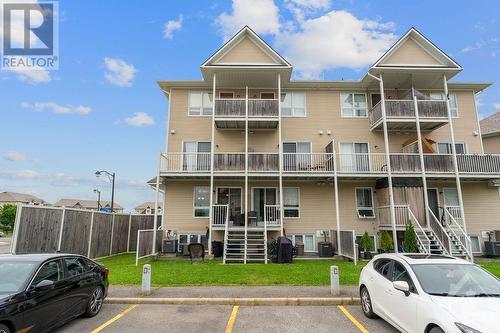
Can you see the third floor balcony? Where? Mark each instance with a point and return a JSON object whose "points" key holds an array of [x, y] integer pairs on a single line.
{"points": [[231, 113]]}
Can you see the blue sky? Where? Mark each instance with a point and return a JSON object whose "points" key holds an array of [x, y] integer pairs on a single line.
{"points": [[103, 110]]}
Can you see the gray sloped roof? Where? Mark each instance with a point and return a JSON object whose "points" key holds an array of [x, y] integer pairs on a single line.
{"points": [[85, 203], [490, 124], [20, 197]]}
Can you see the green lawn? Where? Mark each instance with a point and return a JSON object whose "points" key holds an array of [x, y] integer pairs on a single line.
{"points": [[492, 267], [212, 272]]}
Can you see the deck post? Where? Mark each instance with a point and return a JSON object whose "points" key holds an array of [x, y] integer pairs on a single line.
{"points": [[336, 189], [280, 152], [155, 218], [246, 176], [212, 159]]}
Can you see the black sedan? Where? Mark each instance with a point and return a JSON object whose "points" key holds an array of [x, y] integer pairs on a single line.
{"points": [[39, 292]]}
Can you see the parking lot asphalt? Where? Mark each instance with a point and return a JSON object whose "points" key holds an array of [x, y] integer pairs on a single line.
{"points": [[227, 318], [5, 245]]}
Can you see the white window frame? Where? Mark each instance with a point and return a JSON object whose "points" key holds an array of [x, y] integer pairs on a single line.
{"points": [[353, 108], [201, 109], [294, 115], [292, 238], [464, 144], [200, 207], [297, 209], [433, 96], [353, 143], [364, 208], [188, 239], [478, 241]]}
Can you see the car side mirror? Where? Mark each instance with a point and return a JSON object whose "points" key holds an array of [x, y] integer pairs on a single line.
{"points": [[402, 286], [44, 285]]}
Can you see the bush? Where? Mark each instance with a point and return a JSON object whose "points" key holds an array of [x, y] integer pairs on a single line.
{"points": [[386, 242], [410, 239], [8, 216], [366, 242]]}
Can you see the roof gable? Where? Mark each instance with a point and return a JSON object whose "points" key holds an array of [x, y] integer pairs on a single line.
{"points": [[246, 48], [415, 50]]}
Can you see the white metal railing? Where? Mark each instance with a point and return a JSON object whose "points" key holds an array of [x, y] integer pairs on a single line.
{"points": [[455, 213], [456, 231], [475, 163], [348, 247], [272, 215], [220, 215], [424, 243], [439, 232], [308, 162]]}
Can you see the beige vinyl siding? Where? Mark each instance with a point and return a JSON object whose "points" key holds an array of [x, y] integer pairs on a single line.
{"points": [[246, 52], [491, 144], [410, 53]]}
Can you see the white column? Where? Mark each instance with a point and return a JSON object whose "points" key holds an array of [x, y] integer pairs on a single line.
{"points": [[210, 211], [388, 162], [280, 153], [61, 229], [155, 218], [336, 189], [246, 175], [454, 153]]}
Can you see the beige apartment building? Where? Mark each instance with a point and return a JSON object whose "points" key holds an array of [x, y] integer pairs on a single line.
{"points": [[252, 154]]}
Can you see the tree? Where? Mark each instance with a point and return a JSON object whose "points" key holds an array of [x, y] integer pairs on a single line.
{"points": [[410, 239], [8, 216], [386, 243], [366, 242]]}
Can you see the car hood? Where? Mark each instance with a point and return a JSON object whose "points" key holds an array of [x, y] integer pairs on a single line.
{"points": [[475, 312]]}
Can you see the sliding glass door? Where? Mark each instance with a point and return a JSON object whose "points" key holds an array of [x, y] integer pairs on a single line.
{"points": [[354, 156], [231, 196], [297, 156], [196, 156], [263, 196]]}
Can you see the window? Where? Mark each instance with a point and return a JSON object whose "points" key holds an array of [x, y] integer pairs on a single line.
{"points": [[445, 148], [291, 201], [186, 239], [475, 244], [354, 156], [200, 104], [297, 156], [51, 271], [307, 240], [226, 94], [196, 156], [399, 273], [74, 266], [382, 266], [453, 101], [354, 105], [364, 202], [293, 104], [201, 201], [267, 95]]}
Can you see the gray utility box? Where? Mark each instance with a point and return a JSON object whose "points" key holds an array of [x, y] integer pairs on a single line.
{"points": [[492, 249], [169, 246], [325, 249]]}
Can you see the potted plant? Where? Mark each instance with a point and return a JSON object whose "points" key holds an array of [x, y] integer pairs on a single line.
{"points": [[272, 250], [386, 243], [366, 244], [410, 239]]}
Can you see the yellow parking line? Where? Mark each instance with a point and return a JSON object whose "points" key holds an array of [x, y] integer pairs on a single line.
{"points": [[115, 318], [232, 319], [354, 320]]}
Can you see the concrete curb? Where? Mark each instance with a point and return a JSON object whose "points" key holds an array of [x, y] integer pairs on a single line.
{"points": [[237, 301]]}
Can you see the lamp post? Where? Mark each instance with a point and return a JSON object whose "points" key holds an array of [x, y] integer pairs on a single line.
{"points": [[112, 178], [98, 198]]}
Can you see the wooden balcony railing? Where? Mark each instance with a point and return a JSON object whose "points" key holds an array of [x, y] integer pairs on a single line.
{"points": [[256, 108], [396, 109]]}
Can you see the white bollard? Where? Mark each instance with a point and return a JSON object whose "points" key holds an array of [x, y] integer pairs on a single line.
{"points": [[146, 279], [334, 281]]}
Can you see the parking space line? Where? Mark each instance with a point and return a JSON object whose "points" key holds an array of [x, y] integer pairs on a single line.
{"points": [[353, 319], [232, 319], [115, 318]]}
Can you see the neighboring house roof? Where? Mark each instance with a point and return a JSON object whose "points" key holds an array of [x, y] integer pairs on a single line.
{"points": [[88, 204], [20, 197], [490, 126], [148, 204]]}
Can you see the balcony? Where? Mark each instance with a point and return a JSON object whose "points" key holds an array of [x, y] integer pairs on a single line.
{"points": [[262, 113], [400, 115], [313, 164]]}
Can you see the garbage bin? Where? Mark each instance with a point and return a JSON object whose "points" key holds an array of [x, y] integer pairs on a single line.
{"points": [[300, 249], [285, 250], [217, 249]]}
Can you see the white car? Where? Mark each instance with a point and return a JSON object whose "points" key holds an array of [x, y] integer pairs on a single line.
{"points": [[419, 293]]}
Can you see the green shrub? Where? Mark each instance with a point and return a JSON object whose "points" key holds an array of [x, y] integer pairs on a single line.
{"points": [[410, 239], [366, 242], [386, 242]]}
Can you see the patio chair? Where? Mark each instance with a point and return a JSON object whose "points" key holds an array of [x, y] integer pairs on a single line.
{"points": [[252, 217], [196, 252]]}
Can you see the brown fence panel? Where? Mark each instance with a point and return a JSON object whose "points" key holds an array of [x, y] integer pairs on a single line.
{"points": [[76, 231], [38, 230], [140, 222], [101, 235], [120, 234]]}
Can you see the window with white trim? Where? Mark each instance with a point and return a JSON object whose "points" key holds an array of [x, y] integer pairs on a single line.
{"points": [[291, 201], [186, 239], [293, 104], [354, 105], [445, 148], [442, 97], [201, 201], [306, 239], [475, 244], [200, 103], [364, 203]]}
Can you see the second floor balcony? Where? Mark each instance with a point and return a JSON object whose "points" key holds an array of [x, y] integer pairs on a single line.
{"points": [[231, 113]]}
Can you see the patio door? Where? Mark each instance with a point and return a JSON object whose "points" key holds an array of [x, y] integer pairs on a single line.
{"points": [[354, 156], [196, 156], [452, 204], [433, 197], [263, 196], [297, 156], [231, 196]]}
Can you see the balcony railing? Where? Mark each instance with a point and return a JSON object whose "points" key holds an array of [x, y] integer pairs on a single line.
{"points": [[256, 108], [397, 109], [316, 163]]}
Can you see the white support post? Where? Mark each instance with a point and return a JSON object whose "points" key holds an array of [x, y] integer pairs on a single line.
{"points": [[15, 235], [454, 153], [212, 160], [336, 193], [168, 120], [280, 152], [246, 177], [137, 248], [155, 217], [112, 234], [421, 156], [388, 162], [128, 236], [90, 233], [59, 243]]}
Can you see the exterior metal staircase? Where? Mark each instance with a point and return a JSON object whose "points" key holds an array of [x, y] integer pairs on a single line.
{"points": [[241, 249]]}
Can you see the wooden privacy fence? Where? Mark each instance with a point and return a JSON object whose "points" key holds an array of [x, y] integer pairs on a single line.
{"points": [[40, 229]]}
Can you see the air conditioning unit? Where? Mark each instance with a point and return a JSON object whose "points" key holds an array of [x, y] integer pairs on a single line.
{"points": [[169, 246]]}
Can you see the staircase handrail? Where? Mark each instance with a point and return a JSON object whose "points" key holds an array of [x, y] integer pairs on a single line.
{"points": [[455, 224], [265, 242], [226, 228], [415, 221], [436, 221]]}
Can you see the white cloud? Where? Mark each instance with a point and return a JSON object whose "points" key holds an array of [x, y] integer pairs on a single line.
{"points": [[32, 76], [118, 72], [476, 46], [139, 119], [19, 174], [497, 106], [172, 26], [261, 15], [15, 156], [351, 43], [57, 108]]}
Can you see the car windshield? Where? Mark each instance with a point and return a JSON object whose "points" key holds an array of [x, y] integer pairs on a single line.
{"points": [[456, 280], [13, 275]]}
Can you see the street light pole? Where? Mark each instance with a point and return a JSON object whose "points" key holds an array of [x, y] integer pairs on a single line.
{"points": [[112, 176]]}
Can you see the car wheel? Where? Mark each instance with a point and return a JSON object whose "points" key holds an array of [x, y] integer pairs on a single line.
{"points": [[436, 329], [4, 329], [366, 303], [94, 304]]}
